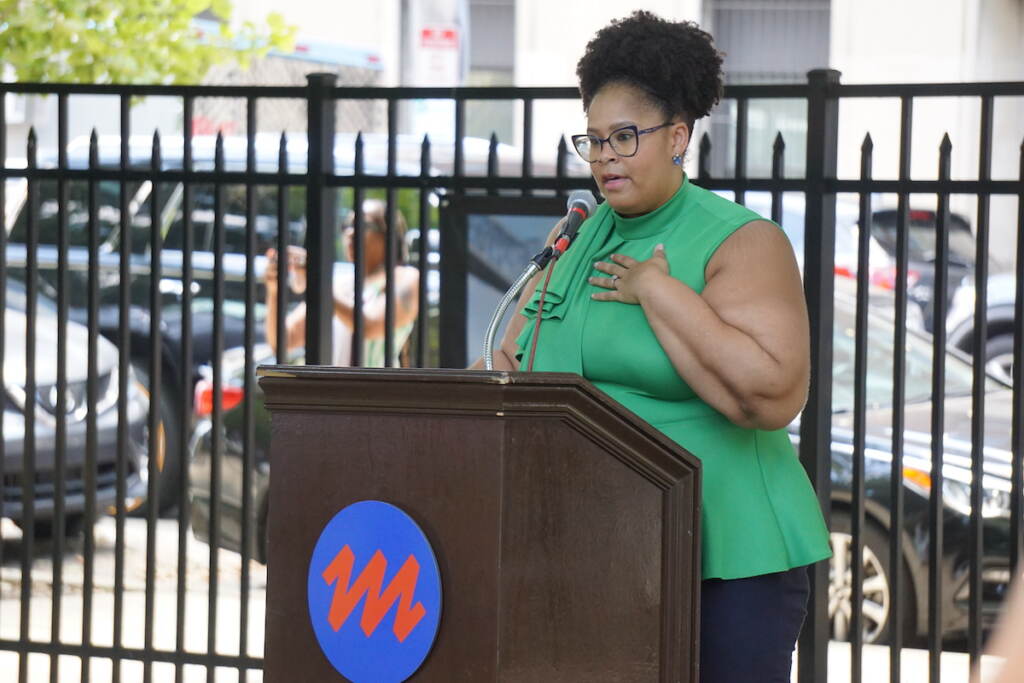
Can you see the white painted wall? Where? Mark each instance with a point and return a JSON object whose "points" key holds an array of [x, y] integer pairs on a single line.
{"points": [[922, 41], [550, 39]]}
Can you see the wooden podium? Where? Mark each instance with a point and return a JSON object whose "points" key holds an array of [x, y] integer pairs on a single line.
{"points": [[566, 529]]}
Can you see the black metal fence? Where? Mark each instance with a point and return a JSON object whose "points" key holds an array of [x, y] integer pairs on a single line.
{"points": [[129, 272]]}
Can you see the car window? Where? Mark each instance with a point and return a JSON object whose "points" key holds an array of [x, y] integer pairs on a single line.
{"points": [[108, 212], [234, 208], [959, 375], [921, 236]]}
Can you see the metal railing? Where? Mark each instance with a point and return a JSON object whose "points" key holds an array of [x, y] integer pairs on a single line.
{"points": [[173, 347]]}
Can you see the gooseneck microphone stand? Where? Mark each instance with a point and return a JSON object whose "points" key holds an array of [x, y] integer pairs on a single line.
{"points": [[581, 205], [537, 264]]}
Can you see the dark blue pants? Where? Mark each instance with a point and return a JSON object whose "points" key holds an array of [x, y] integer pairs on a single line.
{"points": [[749, 627]]}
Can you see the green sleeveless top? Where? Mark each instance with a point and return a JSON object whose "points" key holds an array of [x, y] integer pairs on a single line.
{"points": [[759, 514]]}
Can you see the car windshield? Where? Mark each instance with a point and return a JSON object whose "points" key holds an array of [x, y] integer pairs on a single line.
{"points": [[921, 236], [959, 375]]}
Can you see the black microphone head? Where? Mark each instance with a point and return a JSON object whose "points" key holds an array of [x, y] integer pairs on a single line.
{"points": [[583, 200]]}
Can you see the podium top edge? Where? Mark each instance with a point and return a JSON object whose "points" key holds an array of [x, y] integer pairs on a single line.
{"points": [[326, 372]]}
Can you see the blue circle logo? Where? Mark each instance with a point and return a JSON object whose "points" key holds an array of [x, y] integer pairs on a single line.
{"points": [[374, 593]]}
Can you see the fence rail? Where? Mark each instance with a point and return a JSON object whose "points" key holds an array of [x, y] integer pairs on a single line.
{"points": [[149, 264]]}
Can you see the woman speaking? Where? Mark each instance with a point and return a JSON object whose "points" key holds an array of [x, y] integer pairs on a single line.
{"points": [[688, 309]]}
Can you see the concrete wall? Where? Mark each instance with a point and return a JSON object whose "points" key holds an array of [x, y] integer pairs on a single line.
{"points": [[550, 39], [922, 41]]}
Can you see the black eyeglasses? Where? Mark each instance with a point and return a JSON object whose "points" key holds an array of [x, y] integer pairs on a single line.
{"points": [[624, 141]]}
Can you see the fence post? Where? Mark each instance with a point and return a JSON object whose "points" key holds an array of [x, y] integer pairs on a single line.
{"points": [[819, 273], [321, 214]]}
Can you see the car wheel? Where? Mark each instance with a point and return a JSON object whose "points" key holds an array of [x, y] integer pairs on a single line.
{"points": [[168, 462], [878, 599], [999, 357]]}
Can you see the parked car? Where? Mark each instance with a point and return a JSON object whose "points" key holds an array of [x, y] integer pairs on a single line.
{"points": [[174, 379], [15, 400], [921, 255], [999, 315], [917, 468], [917, 464]]}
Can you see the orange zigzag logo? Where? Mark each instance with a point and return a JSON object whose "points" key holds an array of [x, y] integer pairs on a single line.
{"points": [[370, 582]]}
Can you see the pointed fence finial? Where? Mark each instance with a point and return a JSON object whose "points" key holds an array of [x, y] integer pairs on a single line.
{"points": [[30, 147], [94, 149], [780, 144], [156, 158], [282, 153], [218, 153], [425, 156], [359, 162], [946, 145], [868, 145], [704, 156]]}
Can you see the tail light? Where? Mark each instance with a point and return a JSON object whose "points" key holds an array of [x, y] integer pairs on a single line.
{"points": [[231, 396], [886, 277], [845, 271]]}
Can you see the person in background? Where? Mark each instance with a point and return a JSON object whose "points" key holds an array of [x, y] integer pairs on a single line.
{"points": [[406, 285], [689, 310]]}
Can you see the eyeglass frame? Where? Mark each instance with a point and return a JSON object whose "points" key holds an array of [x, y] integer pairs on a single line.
{"points": [[636, 131]]}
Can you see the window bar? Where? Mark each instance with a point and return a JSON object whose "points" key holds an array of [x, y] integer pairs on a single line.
{"points": [[1016, 492], [28, 473], [975, 536], [422, 331], [283, 239], [860, 365], [184, 501], [124, 444], [778, 173], [248, 419], [61, 425], [527, 142], [217, 443], [935, 503], [741, 147], [391, 238], [898, 396], [358, 258], [155, 398], [91, 441]]}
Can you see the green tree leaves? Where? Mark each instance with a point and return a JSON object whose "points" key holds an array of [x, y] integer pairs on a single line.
{"points": [[127, 41]]}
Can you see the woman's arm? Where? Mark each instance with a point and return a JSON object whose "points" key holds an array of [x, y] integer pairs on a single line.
{"points": [[743, 344], [295, 322]]}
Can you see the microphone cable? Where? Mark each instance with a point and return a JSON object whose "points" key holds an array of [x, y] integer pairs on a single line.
{"points": [[540, 310]]}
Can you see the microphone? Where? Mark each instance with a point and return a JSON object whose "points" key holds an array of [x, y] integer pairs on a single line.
{"points": [[581, 205]]}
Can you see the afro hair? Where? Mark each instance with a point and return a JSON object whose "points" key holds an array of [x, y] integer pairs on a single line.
{"points": [[674, 63]]}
